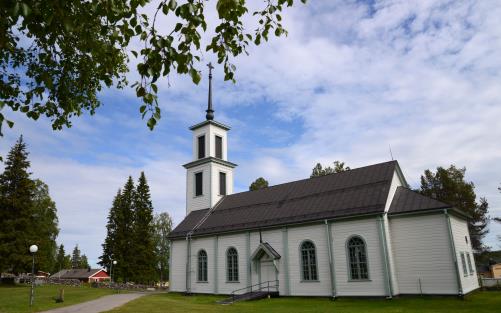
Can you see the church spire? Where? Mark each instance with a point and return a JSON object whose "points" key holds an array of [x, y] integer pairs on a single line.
{"points": [[210, 111]]}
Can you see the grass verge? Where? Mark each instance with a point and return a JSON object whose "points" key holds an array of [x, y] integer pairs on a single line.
{"points": [[477, 302], [16, 299]]}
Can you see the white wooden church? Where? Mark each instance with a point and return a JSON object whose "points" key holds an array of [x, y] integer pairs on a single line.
{"points": [[361, 232]]}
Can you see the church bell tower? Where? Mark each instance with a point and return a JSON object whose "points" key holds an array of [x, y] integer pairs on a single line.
{"points": [[209, 176]]}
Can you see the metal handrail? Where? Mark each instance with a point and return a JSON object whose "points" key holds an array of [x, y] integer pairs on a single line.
{"points": [[275, 285]]}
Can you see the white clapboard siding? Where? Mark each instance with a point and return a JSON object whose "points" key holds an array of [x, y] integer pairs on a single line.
{"points": [[215, 170], [200, 202], [237, 241], [462, 243], [178, 266], [368, 229], [198, 244], [422, 253], [316, 234]]}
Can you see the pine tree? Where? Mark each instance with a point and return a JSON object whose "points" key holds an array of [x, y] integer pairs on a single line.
{"points": [[259, 183], [143, 264], [449, 186], [319, 170], [18, 221], [75, 258]]}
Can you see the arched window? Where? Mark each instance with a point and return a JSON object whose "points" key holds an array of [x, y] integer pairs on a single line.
{"points": [[202, 265], [232, 264], [357, 255], [309, 261]]}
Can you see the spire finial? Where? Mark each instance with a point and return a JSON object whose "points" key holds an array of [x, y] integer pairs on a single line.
{"points": [[210, 111]]}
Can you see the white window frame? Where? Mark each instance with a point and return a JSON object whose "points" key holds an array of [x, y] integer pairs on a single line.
{"points": [[195, 184], [470, 263], [463, 263]]}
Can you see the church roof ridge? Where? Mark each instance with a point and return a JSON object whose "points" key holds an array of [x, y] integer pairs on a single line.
{"points": [[360, 191], [316, 177]]}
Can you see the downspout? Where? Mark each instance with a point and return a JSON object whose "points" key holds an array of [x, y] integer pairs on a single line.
{"points": [[170, 263], [328, 236], [453, 251], [384, 252]]}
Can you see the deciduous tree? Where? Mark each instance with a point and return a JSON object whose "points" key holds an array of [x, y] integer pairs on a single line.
{"points": [[56, 55], [84, 262], [163, 226]]}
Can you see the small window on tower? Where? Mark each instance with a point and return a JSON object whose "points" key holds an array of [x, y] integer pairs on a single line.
{"points": [[222, 184], [219, 147], [198, 184], [201, 147]]}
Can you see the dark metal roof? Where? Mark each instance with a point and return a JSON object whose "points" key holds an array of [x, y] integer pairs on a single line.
{"points": [[189, 222], [211, 122], [76, 273], [360, 191], [407, 200], [207, 160]]}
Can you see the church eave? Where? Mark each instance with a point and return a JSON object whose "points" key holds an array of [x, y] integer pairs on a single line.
{"points": [[207, 160], [211, 122]]}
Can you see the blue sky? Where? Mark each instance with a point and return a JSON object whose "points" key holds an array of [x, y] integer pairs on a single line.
{"points": [[352, 78]]}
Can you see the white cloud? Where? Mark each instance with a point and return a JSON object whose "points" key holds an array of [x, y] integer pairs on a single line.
{"points": [[350, 79]]}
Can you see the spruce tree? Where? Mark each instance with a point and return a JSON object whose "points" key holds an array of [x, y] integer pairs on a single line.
{"points": [[18, 221], [124, 247], [59, 265], [143, 244], [449, 186], [109, 245], [46, 226], [75, 258], [63, 260]]}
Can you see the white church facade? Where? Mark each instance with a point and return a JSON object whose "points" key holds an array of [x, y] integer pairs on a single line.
{"points": [[361, 232]]}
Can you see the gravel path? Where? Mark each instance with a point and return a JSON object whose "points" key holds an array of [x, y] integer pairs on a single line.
{"points": [[99, 305]]}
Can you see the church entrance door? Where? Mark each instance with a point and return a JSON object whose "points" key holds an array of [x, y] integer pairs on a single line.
{"points": [[268, 271]]}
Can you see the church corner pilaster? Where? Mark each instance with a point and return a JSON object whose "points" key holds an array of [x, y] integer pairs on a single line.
{"points": [[385, 256], [328, 237], [285, 247]]}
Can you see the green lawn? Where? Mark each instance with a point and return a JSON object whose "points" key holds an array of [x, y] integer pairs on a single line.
{"points": [[16, 299], [176, 303]]}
